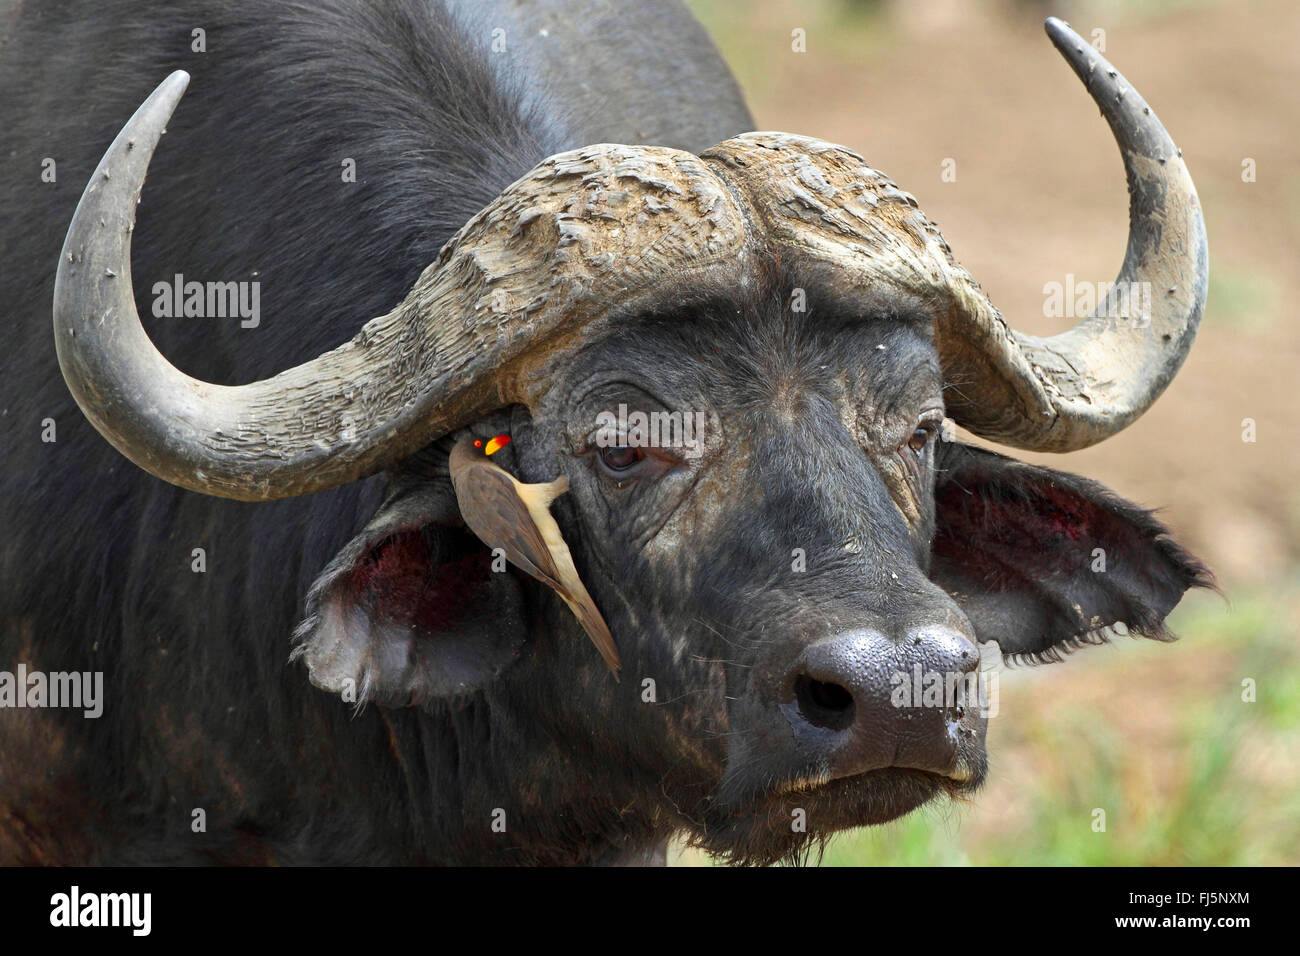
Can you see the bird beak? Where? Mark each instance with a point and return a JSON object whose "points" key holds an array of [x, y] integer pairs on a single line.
{"points": [[496, 444]]}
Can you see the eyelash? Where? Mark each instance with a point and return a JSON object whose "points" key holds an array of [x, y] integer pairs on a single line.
{"points": [[927, 428]]}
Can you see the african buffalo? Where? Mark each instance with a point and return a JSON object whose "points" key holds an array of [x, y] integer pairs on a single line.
{"points": [[389, 228]]}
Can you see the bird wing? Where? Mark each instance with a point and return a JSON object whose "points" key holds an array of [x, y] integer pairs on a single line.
{"points": [[537, 499], [500, 517], [516, 517]]}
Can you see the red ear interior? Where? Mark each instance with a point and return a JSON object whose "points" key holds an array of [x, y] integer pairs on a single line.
{"points": [[1004, 533], [428, 578], [1044, 562]]}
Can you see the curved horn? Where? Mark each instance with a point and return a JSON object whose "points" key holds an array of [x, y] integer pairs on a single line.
{"points": [[1071, 390], [857, 233], [540, 262]]}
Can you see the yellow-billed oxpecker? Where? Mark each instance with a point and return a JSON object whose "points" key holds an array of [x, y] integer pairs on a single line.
{"points": [[505, 513]]}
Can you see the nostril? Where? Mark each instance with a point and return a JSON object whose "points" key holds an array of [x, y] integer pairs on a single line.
{"points": [[824, 704]]}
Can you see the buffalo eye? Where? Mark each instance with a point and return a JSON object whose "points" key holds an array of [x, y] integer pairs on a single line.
{"points": [[621, 458]]}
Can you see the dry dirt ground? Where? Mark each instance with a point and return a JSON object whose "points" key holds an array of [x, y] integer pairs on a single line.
{"points": [[1038, 194]]}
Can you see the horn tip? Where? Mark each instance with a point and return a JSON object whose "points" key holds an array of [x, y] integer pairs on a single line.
{"points": [[173, 88], [1057, 28], [1135, 125], [1077, 52]]}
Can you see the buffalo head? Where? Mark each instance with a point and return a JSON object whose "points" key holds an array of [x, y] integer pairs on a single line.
{"points": [[743, 363]]}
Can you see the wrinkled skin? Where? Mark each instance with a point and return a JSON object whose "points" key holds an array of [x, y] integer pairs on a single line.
{"points": [[823, 434]]}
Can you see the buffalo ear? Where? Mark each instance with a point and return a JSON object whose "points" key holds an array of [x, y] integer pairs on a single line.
{"points": [[411, 610], [1044, 562]]}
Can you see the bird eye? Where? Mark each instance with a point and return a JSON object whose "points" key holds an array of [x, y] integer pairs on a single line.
{"points": [[620, 458]]}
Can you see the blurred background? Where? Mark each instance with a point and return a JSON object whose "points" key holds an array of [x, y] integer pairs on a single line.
{"points": [[1156, 735]]}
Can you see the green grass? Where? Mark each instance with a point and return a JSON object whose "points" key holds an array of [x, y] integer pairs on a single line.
{"points": [[1244, 299]]}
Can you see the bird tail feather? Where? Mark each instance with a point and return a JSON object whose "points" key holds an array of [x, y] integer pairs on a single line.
{"points": [[594, 624]]}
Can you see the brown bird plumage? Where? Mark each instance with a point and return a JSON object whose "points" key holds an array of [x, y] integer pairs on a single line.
{"points": [[506, 513]]}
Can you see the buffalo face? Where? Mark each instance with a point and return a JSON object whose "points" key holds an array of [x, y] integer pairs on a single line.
{"points": [[782, 560]]}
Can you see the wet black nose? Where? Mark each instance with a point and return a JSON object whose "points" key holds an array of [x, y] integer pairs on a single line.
{"points": [[863, 701]]}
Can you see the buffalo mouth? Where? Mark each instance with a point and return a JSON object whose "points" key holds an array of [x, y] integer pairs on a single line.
{"points": [[959, 782], [761, 813], [878, 795], [796, 818]]}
